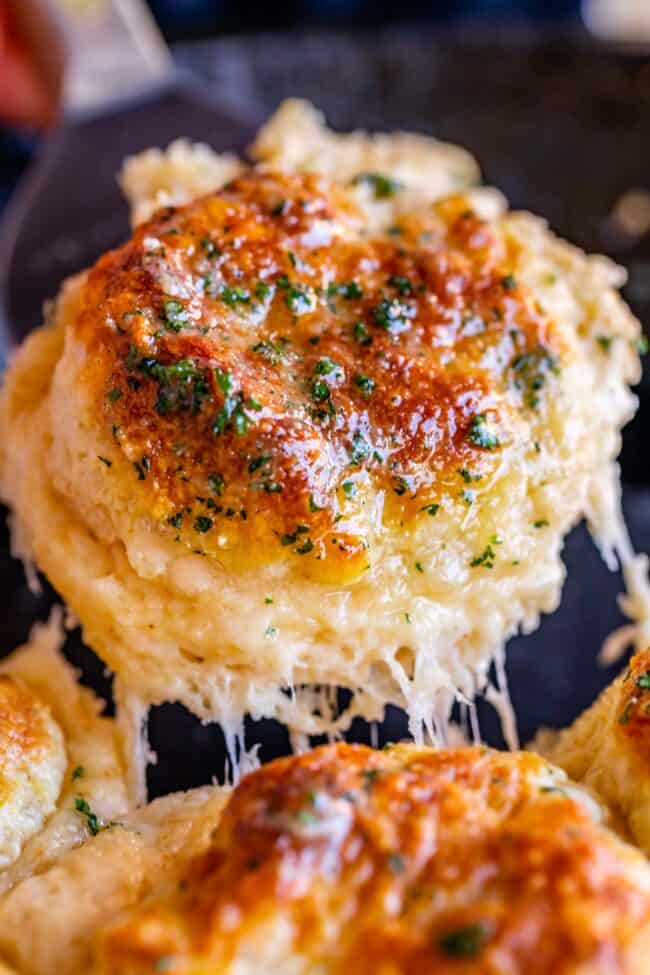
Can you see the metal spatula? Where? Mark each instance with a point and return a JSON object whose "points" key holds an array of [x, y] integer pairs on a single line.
{"points": [[120, 93]]}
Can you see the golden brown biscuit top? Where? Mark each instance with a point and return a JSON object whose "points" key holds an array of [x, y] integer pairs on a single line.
{"points": [[440, 861], [26, 732], [266, 369]]}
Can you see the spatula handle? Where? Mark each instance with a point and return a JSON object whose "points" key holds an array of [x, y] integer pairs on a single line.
{"points": [[111, 49]]}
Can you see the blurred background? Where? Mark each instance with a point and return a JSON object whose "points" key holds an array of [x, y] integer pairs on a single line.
{"points": [[551, 96]]}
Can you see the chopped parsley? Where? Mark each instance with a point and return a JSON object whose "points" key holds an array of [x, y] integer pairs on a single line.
{"points": [[78, 773], [509, 282], [262, 290], [113, 395], [233, 414], [468, 477], [642, 345], [540, 523], [320, 391], [296, 299], [349, 290], [93, 823], [202, 524], [273, 352], [419, 567], [403, 285], [174, 317], [210, 248], [382, 186], [216, 483], [365, 384], [643, 681], [142, 467], [393, 315], [176, 520], [258, 462], [360, 449], [530, 373], [361, 334], [234, 296], [486, 558], [349, 489], [605, 342], [431, 509], [182, 385], [481, 435], [465, 942], [325, 366], [105, 460]]}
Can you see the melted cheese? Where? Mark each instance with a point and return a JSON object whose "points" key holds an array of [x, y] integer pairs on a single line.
{"points": [[503, 408], [410, 860]]}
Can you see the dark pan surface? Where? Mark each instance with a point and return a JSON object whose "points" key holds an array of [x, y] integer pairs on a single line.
{"points": [[563, 127]]}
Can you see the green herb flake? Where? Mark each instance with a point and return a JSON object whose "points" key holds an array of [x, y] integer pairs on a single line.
{"points": [[383, 187], [142, 467], [481, 435], [78, 773], [82, 808], [605, 342], [643, 681], [393, 315], [234, 296], [262, 290], [419, 567], [113, 395], [349, 290], [361, 334], [268, 601], [359, 450], [402, 285], [325, 367], [273, 352], [175, 317], [465, 942], [642, 344], [216, 483], [349, 489], [258, 462], [431, 509], [365, 384], [485, 559], [203, 524], [210, 248], [541, 523], [105, 460], [531, 371], [509, 282]]}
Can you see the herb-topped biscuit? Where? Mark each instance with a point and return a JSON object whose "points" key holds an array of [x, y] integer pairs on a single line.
{"points": [[317, 426]]}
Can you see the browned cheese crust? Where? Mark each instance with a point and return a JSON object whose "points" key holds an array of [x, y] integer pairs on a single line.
{"points": [[263, 366], [410, 860]]}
